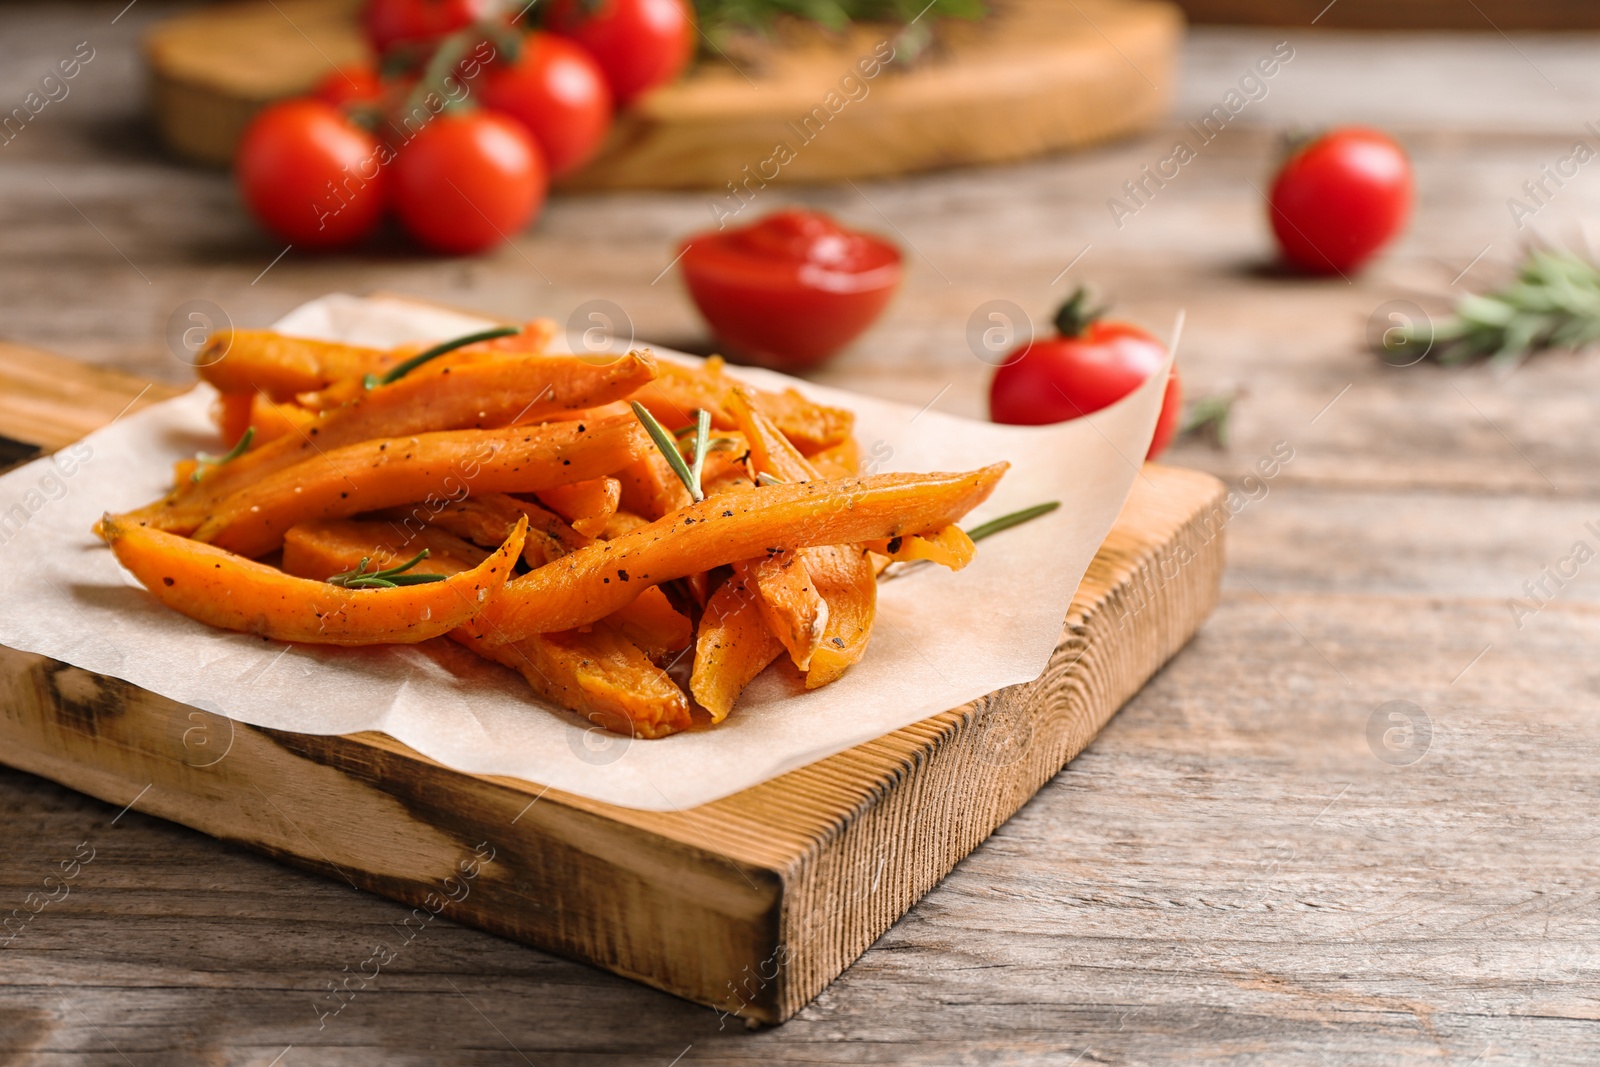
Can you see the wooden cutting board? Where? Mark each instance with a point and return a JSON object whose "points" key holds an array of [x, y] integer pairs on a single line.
{"points": [[750, 904], [1036, 76]]}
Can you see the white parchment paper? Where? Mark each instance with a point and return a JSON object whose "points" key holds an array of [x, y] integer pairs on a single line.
{"points": [[941, 638]]}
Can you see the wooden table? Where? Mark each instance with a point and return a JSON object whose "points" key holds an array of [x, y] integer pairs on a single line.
{"points": [[1231, 873]]}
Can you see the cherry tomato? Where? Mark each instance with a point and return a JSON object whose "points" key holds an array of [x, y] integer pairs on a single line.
{"points": [[310, 176], [355, 84], [467, 181], [1089, 365], [392, 22], [792, 289], [559, 93], [1339, 199], [640, 44]]}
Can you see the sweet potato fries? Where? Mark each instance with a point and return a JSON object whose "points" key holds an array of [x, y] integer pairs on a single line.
{"points": [[638, 539]]}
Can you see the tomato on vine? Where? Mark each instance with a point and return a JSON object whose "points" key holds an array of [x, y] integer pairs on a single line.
{"points": [[639, 44], [556, 90], [355, 84], [311, 176], [394, 22], [468, 180]]}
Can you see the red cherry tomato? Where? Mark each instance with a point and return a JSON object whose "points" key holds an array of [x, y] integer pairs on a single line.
{"points": [[1089, 365], [355, 84], [559, 93], [467, 181], [792, 289], [310, 176], [392, 22], [1339, 199], [640, 44]]}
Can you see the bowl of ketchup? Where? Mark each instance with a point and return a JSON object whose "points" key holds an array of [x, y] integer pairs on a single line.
{"points": [[791, 289]]}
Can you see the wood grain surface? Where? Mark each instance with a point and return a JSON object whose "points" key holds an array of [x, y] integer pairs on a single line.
{"points": [[1229, 874]]}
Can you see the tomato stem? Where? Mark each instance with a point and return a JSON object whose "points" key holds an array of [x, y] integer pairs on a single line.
{"points": [[1076, 315]]}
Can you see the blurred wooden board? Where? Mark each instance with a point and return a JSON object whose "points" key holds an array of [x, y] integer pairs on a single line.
{"points": [[1487, 15], [750, 904], [1035, 77]]}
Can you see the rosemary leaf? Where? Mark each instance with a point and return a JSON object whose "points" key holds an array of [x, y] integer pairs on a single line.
{"points": [[388, 578], [702, 431], [1211, 416], [1016, 518], [722, 18], [669, 450], [1553, 303], [401, 370], [203, 460]]}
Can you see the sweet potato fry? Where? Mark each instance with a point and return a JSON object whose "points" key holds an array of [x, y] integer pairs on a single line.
{"points": [[733, 645], [649, 487], [950, 547], [231, 413], [272, 420], [620, 523], [594, 581], [604, 674], [794, 610], [650, 621], [678, 391], [494, 393], [325, 547], [586, 505], [601, 675], [484, 518], [228, 591], [843, 576], [531, 340], [247, 361], [848, 584], [840, 461], [431, 466], [770, 451]]}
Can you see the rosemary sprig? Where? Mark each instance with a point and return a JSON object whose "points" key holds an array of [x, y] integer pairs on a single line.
{"points": [[1553, 303], [702, 436], [719, 18], [769, 479], [1211, 416], [716, 444], [688, 472], [204, 460], [399, 371], [1016, 518], [388, 578]]}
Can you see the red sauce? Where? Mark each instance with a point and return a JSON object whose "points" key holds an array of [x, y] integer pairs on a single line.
{"points": [[791, 289]]}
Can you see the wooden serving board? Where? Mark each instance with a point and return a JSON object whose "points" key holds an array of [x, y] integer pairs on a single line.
{"points": [[1036, 76], [751, 904], [1485, 16]]}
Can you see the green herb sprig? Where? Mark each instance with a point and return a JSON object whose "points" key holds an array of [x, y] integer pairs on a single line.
{"points": [[1016, 518], [388, 578], [688, 471], [395, 373], [204, 460], [1211, 417], [1553, 303], [721, 18]]}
